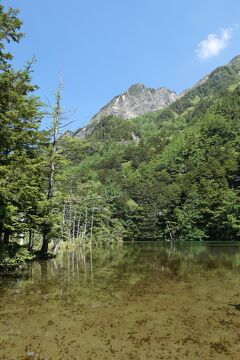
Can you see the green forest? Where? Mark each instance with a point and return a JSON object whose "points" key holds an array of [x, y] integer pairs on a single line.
{"points": [[171, 175]]}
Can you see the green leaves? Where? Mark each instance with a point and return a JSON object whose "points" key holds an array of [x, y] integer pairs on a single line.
{"points": [[180, 181], [21, 146]]}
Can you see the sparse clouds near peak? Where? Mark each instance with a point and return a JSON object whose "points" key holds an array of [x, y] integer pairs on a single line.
{"points": [[214, 44]]}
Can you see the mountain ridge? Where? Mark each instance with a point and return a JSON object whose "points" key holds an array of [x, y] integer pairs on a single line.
{"points": [[142, 100], [137, 100], [168, 175]]}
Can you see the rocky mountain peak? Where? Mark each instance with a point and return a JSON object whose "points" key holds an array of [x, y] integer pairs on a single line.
{"points": [[137, 100], [136, 89]]}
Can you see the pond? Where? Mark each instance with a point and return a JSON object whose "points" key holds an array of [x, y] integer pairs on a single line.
{"points": [[131, 301]]}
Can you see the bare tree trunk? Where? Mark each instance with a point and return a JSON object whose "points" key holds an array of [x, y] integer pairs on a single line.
{"points": [[85, 226], [70, 220], [44, 248], [74, 224], [170, 233], [57, 112], [63, 221], [91, 264], [21, 238], [91, 234], [30, 239], [6, 236], [78, 226]]}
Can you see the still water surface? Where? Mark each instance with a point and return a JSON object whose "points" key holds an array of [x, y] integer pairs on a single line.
{"points": [[134, 301]]}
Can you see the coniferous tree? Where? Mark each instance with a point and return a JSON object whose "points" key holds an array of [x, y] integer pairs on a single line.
{"points": [[20, 138]]}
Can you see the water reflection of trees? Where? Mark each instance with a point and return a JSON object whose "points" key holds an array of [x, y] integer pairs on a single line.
{"points": [[139, 258], [93, 267]]}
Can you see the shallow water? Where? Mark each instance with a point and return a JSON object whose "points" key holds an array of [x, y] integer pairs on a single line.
{"points": [[134, 301]]}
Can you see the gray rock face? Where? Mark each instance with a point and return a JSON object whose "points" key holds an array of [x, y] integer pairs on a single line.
{"points": [[138, 100]]}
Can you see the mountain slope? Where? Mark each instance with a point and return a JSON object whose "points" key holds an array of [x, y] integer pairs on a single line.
{"points": [[164, 104], [180, 180], [138, 100], [214, 84]]}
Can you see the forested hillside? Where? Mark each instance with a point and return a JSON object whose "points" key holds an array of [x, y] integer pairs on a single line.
{"points": [[167, 175]]}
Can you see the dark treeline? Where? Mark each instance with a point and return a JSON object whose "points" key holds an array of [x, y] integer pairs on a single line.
{"points": [[170, 175]]}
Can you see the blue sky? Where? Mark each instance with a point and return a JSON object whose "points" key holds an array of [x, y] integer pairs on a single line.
{"points": [[102, 47]]}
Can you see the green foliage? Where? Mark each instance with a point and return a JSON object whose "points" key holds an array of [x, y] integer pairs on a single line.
{"points": [[111, 128], [12, 255], [20, 117], [23, 147], [169, 175], [9, 31], [180, 180]]}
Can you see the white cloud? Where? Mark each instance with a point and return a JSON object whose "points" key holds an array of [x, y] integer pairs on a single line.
{"points": [[214, 44]]}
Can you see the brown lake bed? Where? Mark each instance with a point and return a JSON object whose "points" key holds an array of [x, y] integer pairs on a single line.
{"points": [[133, 301]]}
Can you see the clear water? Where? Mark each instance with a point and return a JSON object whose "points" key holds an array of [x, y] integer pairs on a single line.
{"points": [[133, 301]]}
